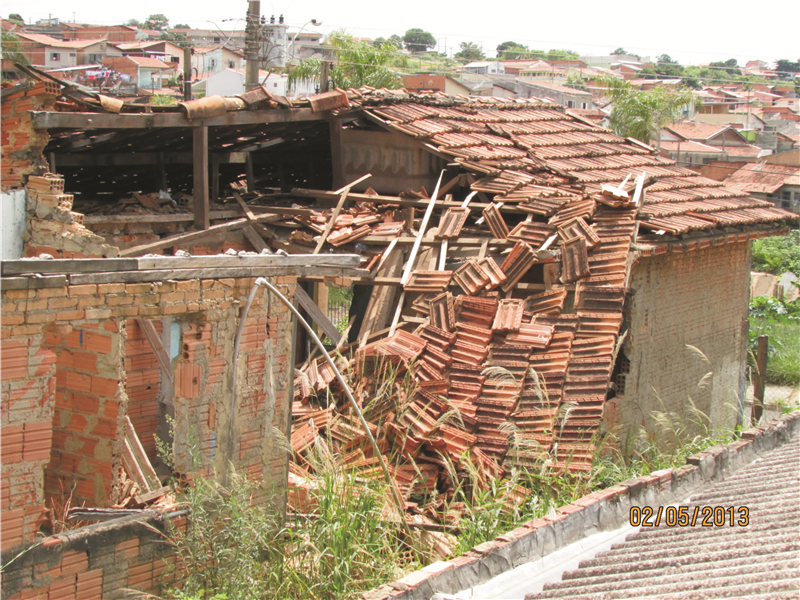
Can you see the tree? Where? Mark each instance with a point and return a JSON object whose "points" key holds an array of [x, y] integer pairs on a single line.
{"points": [[575, 82], [642, 114], [501, 48], [417, 40], [181, 26], [176, 38], [17, 18], [156, 22], [356, 64], [12, 48], [619, 51], [395, 40], [731, 66], [133, 23], [469, 52], [665, 59], [514, 53], [785, 66]]}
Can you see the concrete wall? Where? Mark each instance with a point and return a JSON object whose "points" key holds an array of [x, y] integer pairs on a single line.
{"points": [[12, 223], [698, 298]]}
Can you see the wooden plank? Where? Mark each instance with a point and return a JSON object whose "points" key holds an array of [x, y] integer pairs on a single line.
{"points": [[154, 340], [136, 458], [376, 317], [33, 283], [254, 238], [247, 212], [127, 159], [65, 265], [759, 380], [423, 226], [200, 179], [83, 121], [210, 273], [316, 314], [214, 215]]}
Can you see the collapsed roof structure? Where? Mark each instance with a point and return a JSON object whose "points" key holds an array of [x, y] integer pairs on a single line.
{"points": [[532, 276]]}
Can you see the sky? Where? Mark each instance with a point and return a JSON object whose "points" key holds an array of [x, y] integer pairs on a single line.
{"points": [[690, 31]]}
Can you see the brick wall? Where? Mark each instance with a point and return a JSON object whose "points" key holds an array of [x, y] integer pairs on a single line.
{"points": [[698, 298], [65, 389], [22, 145]]}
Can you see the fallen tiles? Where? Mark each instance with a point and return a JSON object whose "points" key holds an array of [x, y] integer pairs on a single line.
{"points": [[479, 311], [517, 263], [508, 353], [441, 338], [608, 263], [470, 277], [574, 260], [452, 222], [531, 232], [422, 303], [550, 361], [493, 272], [598, 324], [403, 344], [428, 281], [468, 353], [463, 374], [599, 299], [549, 302], [544, 207], [470, 334], [579, 228], [531, 334], [590, 347], [509, 315], [495, 222], [562, 323], [437, 359], [579, 208], [442, 312]]}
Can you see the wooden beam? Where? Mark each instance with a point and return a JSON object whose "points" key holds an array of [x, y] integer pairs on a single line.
{"points": [[81, 120], [337, 152], [254, 238], [215, 176], [127, 159], [316, 314], [249, 173], [423, 226], [210, 273], [200, 177], [153, 339]]}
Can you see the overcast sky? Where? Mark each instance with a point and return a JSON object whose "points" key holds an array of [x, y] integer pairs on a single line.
{"points": [[691, 31]]}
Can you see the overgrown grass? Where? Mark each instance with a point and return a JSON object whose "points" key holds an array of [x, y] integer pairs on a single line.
{"points": [[778, 254], [234, 548], [783, 358]]}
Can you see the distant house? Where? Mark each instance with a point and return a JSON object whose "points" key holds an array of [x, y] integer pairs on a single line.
{"points": [[728, 142], [435, 82], [116, 34], [145, 73], [566, 96], [777, 183], [164, 51], [485, 68], [213, 59], [49, 52], [543, 72]]}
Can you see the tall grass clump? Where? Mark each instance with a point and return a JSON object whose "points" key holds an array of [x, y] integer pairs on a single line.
{"points": [[234, 547], [780, 320]]}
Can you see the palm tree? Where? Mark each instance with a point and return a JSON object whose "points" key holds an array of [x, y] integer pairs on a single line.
{"points": [[642, 114], [356, 64]]}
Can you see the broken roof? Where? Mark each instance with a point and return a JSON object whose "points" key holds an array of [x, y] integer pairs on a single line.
{"points": [[46, 40]]}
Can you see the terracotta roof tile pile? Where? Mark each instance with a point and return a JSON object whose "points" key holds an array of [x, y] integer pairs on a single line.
{"points": [[502, 356]]}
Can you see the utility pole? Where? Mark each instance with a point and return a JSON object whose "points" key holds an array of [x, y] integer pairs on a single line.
{"points": [[252, 43], [187, 73], [324, 84]]}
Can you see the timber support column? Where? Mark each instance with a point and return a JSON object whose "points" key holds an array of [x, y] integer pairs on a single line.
{"points": [[337, 153], [200, 169]]}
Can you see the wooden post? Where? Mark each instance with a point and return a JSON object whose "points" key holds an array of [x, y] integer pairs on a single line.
{"points": [[200, 168], [251, 178], [337, 153], [759, 379], [187, 73], [215, 176], [324, 82]]}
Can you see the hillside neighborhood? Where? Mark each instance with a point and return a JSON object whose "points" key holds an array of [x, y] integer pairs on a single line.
{"points": [[288, 314]]}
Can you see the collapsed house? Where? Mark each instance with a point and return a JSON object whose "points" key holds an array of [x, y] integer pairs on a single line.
{"points": [[518, 273]]}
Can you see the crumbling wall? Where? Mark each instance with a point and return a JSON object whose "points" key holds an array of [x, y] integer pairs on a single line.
{"points": [[22, 145], [52, 226], [65, 397], [697, 299]]}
